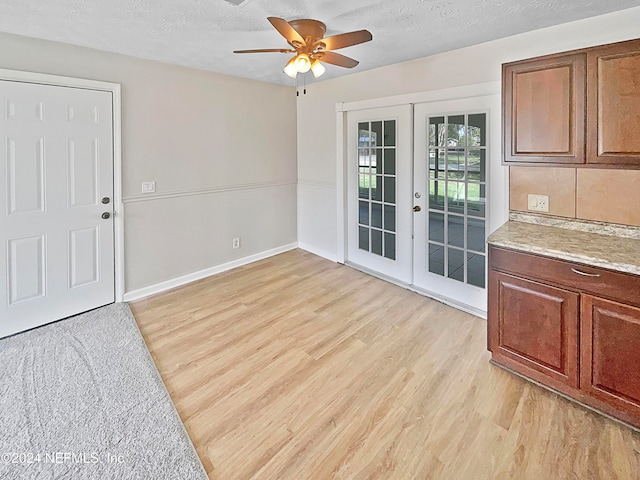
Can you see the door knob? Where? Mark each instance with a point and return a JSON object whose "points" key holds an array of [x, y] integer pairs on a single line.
{"points": [[105, 200], [417, 208], [106, 215]]}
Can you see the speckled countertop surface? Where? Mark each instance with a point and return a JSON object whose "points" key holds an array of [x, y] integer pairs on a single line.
{"points": [[573, 241]]}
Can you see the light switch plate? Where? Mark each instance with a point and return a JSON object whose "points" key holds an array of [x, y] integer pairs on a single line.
{"points": [[538, 203], [148, 187]]}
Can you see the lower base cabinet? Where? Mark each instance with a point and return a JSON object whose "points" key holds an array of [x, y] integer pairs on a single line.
{"points": [[549, 320], [610, 352]]}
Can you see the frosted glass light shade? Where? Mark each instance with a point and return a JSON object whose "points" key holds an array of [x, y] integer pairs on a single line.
{"points": [[303, 63], [317, 68], [290, 68]]}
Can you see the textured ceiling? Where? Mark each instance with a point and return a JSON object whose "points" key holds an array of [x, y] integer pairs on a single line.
{"points": [[203, 33]]}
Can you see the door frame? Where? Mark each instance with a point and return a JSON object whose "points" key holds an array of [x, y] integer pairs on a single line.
{"points": [[118, 206], [499, 176]]}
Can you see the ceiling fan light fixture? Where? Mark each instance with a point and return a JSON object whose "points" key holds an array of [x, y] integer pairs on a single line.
{"points": [[311, 49], [317, 68], [290, 68], [302, 62]]}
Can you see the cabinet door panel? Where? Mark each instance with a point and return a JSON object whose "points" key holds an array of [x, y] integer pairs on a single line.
{"points": [[610, 344], [535, 326], [614, 104], [544, 110]]}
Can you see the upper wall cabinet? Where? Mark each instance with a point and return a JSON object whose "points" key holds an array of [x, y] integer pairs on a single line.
{"points": [[580, 108], [543, 110], [613, 99]]}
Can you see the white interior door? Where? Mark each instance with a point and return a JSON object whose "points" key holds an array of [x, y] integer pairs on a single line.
{"points": [[57, 186], [379, 205], [451, 171]]}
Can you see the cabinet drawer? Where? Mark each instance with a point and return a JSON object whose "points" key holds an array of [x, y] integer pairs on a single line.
{"points": [[599, 281]]}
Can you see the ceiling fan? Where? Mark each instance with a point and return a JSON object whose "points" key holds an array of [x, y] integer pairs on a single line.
{"points": [[310, 47]]}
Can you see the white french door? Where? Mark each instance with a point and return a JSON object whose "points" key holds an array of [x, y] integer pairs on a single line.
{"points": [[379, 177], [451, 152], [417, 195], [56, 203]]}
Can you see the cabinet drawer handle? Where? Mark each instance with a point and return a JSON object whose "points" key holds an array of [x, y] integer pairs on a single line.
{"points": [[585, 273]]}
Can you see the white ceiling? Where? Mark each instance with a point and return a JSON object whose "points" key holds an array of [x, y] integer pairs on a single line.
{"points": [[203, 33]]}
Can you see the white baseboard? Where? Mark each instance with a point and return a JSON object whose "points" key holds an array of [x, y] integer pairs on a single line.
{"points": [[192, 277], [318, 251]]}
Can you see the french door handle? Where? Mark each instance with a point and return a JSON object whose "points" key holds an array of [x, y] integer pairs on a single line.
{"points": [[417, 208]]}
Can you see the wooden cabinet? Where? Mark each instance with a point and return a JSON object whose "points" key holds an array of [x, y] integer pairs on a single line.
{"points": [[570, 327], [580, 108], [544, 112], [610, 344], [613, 97], [535, 328]]}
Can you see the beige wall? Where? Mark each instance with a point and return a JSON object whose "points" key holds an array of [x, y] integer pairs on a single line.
{"points": [[586, 193], [221, 149], [317, 167]]}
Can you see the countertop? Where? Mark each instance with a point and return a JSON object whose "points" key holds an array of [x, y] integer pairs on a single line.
{"points": [[618, 248]]}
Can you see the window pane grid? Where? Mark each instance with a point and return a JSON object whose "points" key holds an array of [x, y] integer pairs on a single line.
{"points": [[377, 187], [456, 181]]}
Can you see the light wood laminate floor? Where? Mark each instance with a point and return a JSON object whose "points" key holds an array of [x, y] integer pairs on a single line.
{"points": [[298, 368]]}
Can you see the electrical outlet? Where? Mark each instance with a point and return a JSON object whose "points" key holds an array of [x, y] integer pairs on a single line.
{"points": [[236, 243], [148, 187], [538, 203]]}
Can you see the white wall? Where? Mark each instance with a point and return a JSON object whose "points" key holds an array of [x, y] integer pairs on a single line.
{"points": [[317, 226], [221, 149]]}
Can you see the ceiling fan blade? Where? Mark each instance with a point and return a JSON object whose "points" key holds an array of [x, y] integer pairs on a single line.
{"points": [[265, 50], [287, 31], [345, 40], [336, 59]]}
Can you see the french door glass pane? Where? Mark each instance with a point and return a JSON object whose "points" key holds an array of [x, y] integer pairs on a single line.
{"points": [[376, 215], [377, 187], [436, 132], [436, 227], [376, 242], [390, 218], [455, 264], [436, 259], [390, 133], [475, 235], [456, 161], [390, 161], [436, 194], [363, 213], [363, 238], [455, 230], [475, 269], [390, 245], [376, 137]]}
